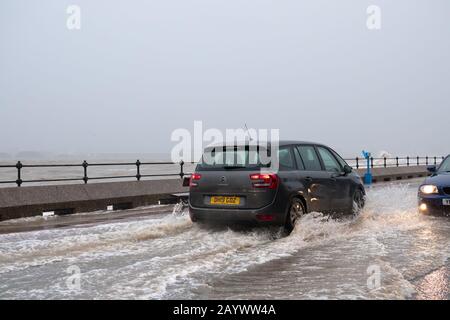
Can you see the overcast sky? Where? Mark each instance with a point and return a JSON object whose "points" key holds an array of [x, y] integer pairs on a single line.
{"points": [[137, 70]]}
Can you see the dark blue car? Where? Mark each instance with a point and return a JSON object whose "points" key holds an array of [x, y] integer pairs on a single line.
{"points": [[434, 193]]}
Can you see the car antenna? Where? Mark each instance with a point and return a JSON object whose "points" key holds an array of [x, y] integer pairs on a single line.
{"points": [[248, 132]]}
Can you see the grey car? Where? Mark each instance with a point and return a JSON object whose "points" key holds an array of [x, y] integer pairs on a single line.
{"points": [[311, 177]]}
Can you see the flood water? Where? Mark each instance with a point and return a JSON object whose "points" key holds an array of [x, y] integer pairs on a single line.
{"points": [[388, 252]]}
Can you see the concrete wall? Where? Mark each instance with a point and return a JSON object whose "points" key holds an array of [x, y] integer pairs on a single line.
{"points": [[394, 173], [30, 201]]}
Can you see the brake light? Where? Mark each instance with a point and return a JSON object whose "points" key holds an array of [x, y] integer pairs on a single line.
{"points": [[194, 177], [265, 180]]}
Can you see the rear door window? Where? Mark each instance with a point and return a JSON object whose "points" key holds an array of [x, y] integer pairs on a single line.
{"points": [[310, 159], [329, 161], [298, 159], [285, 159]]}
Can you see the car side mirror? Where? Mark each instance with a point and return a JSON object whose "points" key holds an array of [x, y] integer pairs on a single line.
{"points": [[431, 169], [348, 169]]}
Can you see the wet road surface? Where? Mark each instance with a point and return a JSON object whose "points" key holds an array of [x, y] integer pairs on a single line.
{"points": [[388, 252]]}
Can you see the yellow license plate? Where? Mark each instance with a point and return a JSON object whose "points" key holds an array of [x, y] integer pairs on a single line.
{"points": [[225, 200]]}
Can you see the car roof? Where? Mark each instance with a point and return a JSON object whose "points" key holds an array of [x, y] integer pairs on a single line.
{"points": [[291, 142], [265, 143]]}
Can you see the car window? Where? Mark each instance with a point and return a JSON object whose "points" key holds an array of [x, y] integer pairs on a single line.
{"points": [[445, 166], [310, 159], [237, 157], [285, 159], [329, 161], [298, 159], [339, 159]]}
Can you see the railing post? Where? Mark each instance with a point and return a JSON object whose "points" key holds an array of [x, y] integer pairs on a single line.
{"points": [[85, 166], [181, 169], [435, 161], [396, 161], [384, 161], [426, 160], [407, 161], [19, 167], [138, 170], [371, 162], [357, 163], [418, 161]]}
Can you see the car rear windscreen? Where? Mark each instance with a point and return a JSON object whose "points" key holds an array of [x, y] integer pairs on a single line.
{"points": [[234, 158]]}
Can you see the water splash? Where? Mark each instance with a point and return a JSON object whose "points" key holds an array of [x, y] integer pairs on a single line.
{"points": [[169, 257]]}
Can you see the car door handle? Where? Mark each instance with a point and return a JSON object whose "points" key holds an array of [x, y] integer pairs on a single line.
{"points": [[309, 179]]}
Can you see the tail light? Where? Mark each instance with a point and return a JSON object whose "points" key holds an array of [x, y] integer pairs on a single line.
{"points": [[264, 217], [266, 180], [194, 178]]}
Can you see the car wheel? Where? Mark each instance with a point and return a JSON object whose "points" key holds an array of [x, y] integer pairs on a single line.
{"points": [[296, 211], [358, 202], [193, 217]]}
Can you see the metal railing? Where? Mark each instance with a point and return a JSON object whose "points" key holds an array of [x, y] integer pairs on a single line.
{"points": [[19, 166], [354, 162], [389, 162]]}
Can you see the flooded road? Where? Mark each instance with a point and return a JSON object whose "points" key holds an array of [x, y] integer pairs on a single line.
{"points": [[389, 251]]}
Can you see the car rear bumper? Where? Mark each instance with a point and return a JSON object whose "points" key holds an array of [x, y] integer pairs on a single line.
{"points": [[259, 216], [434, 205]]}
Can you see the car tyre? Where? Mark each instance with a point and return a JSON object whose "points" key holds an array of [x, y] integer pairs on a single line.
{"points": [[193, 217], [295, 212], [359, 200]]}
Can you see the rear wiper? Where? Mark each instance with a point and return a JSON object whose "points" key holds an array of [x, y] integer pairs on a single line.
{"points": [[233, 167]]}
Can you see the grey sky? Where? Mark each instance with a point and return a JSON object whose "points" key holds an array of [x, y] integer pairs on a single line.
{"points": [[137, 70]]}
